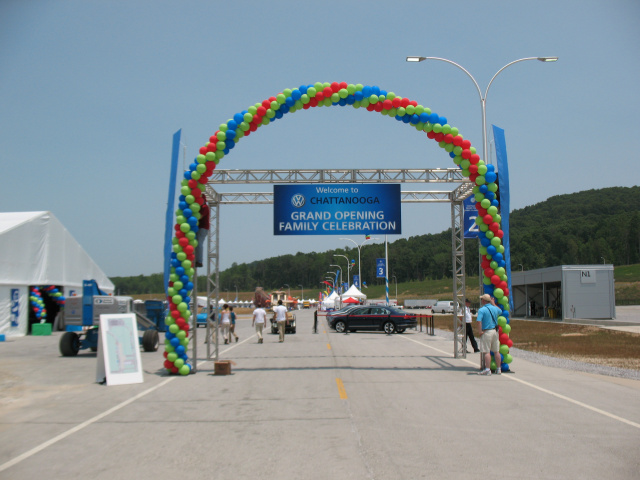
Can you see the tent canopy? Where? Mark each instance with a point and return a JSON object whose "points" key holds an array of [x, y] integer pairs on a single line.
{"points": [[36, 249], [353, 292], [350, 300]]}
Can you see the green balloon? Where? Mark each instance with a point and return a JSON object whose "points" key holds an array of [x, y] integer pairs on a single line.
{"points": [[437, 128], [178, 362], [504, 349], [202, 158], [185, 227], [506, 328], [351, 89], [490, 234], [343, 93], [174, 329], [172, 357], [176, 299], [486, 204], [491, 210], [446, 129], [493, 187], [502, 321], [335, 98], [185, 190], [495, 241], [483, 227], [480, 180], [486, 280], [508, 358], [498, 293], [311, 92], [401, 111], [178, 285], [183, 307], [493, 264], [499, 271], [181, 334], [457, 150], [184, 370], [410, 109]]}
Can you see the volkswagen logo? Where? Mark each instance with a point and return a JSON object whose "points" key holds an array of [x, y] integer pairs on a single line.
{"points": [[298, 200]]}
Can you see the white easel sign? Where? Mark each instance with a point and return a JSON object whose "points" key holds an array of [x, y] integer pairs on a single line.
{"points": [[119, 350]]}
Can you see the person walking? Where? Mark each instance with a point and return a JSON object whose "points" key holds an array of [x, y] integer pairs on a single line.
{"points": [[259, 319], [466, 311], [280, 312], [488, 334], [225, 323], [232, 328]]}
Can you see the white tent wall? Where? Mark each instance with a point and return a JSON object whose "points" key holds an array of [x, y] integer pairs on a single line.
{"points": [[36, 250]]}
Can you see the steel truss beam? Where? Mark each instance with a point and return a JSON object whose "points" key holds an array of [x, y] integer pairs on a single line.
{"points": [[437, 175]]}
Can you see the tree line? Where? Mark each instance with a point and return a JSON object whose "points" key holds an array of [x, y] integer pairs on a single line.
{"points": [[593, 226]]}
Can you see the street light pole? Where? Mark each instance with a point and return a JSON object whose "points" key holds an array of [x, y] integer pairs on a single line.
{"points": [[348, 267], [285, 285], [236, 293], [483, 98], [359, 246], [302, 294]]}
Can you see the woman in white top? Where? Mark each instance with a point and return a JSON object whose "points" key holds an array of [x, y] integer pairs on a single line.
{"points": [[225, 322]]}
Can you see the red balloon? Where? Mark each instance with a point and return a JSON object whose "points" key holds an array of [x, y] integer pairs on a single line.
{"points": [[510, 343], [165, 354], [494, 227], [431, 135], [266, 104], [466, 154], [261, 110], [343, 85], [414, 103], [485, 263], [168, 364], [203, 150], [439, 137], [378, 107], [499, 234], [253, 127], [473, 168], [327, 92], [387, 105], [473, 176], [457, 140], [487, 219], [272, 99], [405, 102], [184, 241], [474, 158], [174, 369], [397, 102], [504, 338], [506, 291], [466, 144], [335, 87], [503, 285], [482, 212], [495, 279], [174, 312], [488, 272], [313, 102], [448, 138], [371, 107], [319, 96]]}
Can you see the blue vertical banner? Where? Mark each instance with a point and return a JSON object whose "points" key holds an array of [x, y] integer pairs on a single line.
{"points": [[381, 268], [470, 214], [168, 229], [356, 281], [15, 307], [503, 191]]}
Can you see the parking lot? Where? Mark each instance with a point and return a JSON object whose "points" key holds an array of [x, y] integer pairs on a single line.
{"points": [[318, 406]]}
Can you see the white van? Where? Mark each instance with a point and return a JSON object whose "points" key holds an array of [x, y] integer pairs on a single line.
{"points": [[443, 306]]}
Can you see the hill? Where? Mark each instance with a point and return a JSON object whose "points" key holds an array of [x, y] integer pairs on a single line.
{"points": [[592, 226]]}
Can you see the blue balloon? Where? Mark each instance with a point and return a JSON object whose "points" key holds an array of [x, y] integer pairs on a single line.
{"points": [[398, 118], [290, 102], [174, 342], [504, 367], [232, 125], [231, 134], [303, 89], [488, 289], [187, 175], [189, 286], [342, 102], [351, 99], [491, 168], [182, 198], [491, 250], [485, 242], [226, 150], [415, 119], [183, 292], [375, 90], [490, 195], [182, 205], [424, 117], [442, 120], [453, 155], [279, 114], [498, 256], [230, 143], [187, 212], [358, 96], [383, 92], [180, 271], [193, 166], [239, 118], [193, 221], [490, 177], [495, 202], [483, 189], [434, 118], [366, 91], [296, 94], [168, 335]]}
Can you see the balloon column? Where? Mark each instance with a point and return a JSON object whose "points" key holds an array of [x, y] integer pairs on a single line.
{"points": [[56, 294], [37, 304], [289, 101]]}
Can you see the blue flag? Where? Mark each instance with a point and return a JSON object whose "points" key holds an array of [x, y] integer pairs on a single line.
{"points": [[168, 229]]}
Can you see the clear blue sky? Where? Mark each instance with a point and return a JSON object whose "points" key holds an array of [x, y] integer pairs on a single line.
{"points": [[91, 93]]}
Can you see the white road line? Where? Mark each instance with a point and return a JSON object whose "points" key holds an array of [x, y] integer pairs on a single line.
{"points": [[82, 425], [544, 390]]}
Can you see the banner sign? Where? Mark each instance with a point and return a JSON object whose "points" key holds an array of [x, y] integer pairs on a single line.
{"points": [[337, 209], [470, 214], [356, 281], [381, 268], [505, 207], [119, 350], [15, 307]]}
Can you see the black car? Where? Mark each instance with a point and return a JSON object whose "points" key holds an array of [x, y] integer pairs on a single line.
{"points": [[373, 317]]}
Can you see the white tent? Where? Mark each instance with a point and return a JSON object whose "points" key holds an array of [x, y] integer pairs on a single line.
{"points": [[353, 292], [36, 250]]}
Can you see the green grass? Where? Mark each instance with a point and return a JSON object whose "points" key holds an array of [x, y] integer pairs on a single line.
{"points": [[627, 273]]}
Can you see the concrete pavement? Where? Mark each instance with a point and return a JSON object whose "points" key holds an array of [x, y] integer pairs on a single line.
{"points": [[318, 406]]}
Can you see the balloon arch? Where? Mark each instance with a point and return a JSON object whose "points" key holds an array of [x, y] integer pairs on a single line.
{"points": [[373, 99]]}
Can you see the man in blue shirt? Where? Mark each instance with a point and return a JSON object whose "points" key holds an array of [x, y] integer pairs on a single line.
{"points": [[488, 335]]}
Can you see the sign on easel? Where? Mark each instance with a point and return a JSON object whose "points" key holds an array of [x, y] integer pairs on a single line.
{"points": [[118, 350]]}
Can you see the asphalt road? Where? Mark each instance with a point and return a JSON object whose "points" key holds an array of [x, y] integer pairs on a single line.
{"points": [[318, 406]]}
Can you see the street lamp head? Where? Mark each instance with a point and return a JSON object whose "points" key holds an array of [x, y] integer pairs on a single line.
{"points": [[548, 59], [416, 59]]}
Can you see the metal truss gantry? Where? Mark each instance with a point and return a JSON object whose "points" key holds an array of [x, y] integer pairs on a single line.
{"points": [[311, 176]]}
